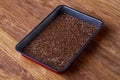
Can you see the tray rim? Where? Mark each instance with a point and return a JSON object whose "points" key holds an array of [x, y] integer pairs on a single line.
{"points": [[72, 59]]}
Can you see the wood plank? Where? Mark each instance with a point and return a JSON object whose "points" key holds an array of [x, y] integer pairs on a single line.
{"points": [[11, 70], [99, 61]]}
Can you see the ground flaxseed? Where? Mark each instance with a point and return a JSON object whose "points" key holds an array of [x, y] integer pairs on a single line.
{"points": [[60, 40]]}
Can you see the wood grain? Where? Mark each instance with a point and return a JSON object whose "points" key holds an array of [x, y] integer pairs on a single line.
{"points": [[100, 60], [9, 69]]}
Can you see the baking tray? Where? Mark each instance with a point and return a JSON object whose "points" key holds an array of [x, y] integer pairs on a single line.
{"points": [[60, 9]]}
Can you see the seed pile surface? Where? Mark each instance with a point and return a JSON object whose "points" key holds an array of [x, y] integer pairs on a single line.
{"points": [[60, 40]]}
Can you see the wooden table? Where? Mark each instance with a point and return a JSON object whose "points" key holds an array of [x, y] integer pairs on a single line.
{"points": [[99, 61]]}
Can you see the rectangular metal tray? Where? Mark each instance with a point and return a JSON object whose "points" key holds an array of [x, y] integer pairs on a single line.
{"points": [[64, 9]]}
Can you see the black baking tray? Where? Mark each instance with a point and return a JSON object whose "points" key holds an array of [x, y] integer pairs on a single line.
{"points": [[60, 9]]}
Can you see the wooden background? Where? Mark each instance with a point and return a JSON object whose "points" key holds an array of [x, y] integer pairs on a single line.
{"points": [[99, 61]]}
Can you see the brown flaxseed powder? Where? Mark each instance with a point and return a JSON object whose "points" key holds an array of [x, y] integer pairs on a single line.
{"points": [[60, 40]]}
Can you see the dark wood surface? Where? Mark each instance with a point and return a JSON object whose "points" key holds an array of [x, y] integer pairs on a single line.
{"points": [[100, 60]]}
